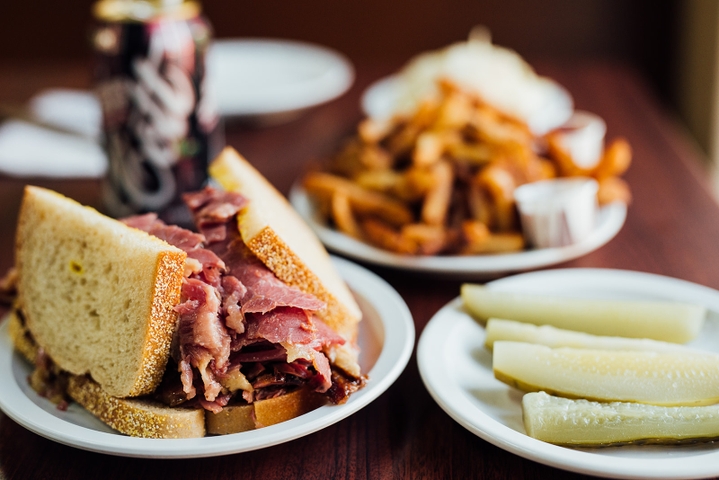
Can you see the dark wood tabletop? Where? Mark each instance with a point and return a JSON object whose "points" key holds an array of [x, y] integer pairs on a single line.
{"points": [[671, 229]]}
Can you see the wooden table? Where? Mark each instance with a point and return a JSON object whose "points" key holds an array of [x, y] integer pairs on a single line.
{"points": [[671, 229]]}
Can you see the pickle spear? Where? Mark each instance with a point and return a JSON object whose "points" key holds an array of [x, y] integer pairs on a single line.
{"points": [[498, 330], [609, 375], [667, 321], [581, 422]]}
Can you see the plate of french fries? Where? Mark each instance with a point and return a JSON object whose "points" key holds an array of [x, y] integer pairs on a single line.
{"points": [[597, 371], [433, 190]]}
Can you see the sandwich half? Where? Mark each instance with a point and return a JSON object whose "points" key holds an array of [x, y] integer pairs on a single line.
{"points": [[167, 333]]}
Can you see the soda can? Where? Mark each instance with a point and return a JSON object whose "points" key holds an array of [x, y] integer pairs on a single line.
{"points": [[160, 123]]}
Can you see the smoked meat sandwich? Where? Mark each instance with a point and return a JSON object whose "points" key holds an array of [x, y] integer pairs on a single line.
{"points": [[165, 332]]}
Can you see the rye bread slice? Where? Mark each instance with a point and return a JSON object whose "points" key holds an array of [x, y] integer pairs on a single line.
{"points": [[97, 295]]}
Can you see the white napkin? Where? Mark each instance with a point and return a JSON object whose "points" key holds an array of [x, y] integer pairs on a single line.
{"points": [[30, 150], [76, 110]]}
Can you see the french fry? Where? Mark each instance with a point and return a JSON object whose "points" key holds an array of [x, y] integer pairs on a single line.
{"points": [[565, 164], [375, 157], [404, 138], [490, 128], [615, 160], [500, 184], [475, 232], [409, 186], [474, 153], [428, 149], [479, 204], [415, 184], [356, 157], [384, 236], [456, 109], [430, 239], [613, 189], [379, 180], [373, 131], [348, 162], [363, 202], [343, 216], [436, 202], [543, 169], [506, 242]]}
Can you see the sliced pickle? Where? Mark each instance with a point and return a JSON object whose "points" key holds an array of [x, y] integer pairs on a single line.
{"points": [[609, 375], [498, 330], [668, 321], [581, 422]]}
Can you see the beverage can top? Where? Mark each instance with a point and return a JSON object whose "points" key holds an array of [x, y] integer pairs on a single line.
{"points": [[144, 10]]}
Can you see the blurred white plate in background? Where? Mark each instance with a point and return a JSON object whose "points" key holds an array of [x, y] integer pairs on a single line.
{"points": [[255, 77]]}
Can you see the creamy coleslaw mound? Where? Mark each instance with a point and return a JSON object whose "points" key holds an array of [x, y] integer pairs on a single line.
{"points": [[499, 75]]}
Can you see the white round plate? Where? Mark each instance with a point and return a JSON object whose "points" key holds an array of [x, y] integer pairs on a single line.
{"points": [[610, 221], [257, 77], [457, 371], [386, 339]]}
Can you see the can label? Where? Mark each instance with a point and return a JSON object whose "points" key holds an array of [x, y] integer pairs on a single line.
{"points": [[160, 123]]}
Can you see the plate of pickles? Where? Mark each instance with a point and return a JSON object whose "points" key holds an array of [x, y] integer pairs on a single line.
{"points": [[603, 372]]}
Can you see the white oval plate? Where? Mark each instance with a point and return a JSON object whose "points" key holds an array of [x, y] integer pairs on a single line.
{"points": [[457, 371], [609, 222], [386, 339], [256, 77]]}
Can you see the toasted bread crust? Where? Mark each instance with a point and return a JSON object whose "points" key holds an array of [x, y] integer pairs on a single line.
{"points": [[137, 417], [161, 325], [285, 407], [232, 419], [263, 413], [22, 343]]}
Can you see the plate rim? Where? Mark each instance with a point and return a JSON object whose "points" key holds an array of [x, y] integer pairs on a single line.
{"points": [[398, 343], [585, 461], [611, 220]]}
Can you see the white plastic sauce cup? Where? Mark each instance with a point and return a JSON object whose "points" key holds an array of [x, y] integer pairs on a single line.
{"points": [[557, 212]]}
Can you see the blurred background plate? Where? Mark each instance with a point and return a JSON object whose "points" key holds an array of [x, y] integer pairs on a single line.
{"points": [[265, 77]]}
